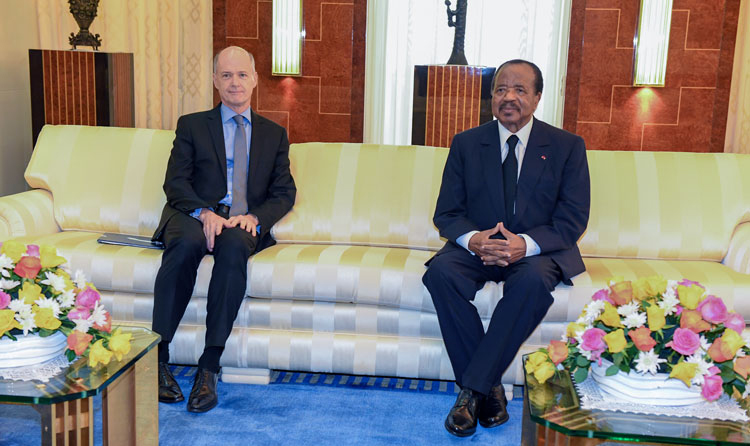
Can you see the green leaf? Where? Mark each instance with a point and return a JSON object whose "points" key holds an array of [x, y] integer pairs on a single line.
{"points": [[582, 362], [624, 367], [580, 375], [71, 355], [612, 370], [728, 375], [617, 358]]}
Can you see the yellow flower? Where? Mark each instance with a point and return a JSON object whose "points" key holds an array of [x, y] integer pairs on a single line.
{"points": [[540, 366], [610, 317], [49, 257], [684, 371], [640, 289], [732, 340], [690, 296], [656, 319], [656, 285], [7, 321], [99, 354], [573, 329], [29, 293], [44, 318], [13, 249], [616, 341], [119, 343]]}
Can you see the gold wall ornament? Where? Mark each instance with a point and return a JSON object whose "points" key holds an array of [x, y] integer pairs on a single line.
{"points": [[84, 12]]}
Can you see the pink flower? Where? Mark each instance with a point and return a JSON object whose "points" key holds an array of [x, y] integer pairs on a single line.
{"points": [[593, 340], [87, 298], [736, 322], [79, 313], [713, 370], [4, 299], [689, 283], [713, 310], [602, 294], [32, 250], [684, 341], [712, 390]]}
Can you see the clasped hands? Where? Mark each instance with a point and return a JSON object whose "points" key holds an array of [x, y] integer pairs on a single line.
{"points": [[213, 224], [498, 252]]}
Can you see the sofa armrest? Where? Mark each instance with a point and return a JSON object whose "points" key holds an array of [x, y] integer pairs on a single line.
{"points": [[738, 255], [27, 213]]}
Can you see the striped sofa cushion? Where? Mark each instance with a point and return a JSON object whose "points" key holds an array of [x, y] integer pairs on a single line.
{"points": [[102, 178], [364, 194], [660, 205]]}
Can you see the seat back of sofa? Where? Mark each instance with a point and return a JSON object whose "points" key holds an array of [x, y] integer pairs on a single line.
{"points": [[103, 179], [364, 194], [665, 205]]}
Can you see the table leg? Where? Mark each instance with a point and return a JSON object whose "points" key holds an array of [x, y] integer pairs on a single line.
{"points": [[130, 408], [67, 423]]}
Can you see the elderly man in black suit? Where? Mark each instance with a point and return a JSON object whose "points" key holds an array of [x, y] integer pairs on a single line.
{"points": [[513, 202], [227, 183]]}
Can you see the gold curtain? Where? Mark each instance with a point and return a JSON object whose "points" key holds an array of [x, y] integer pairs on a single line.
{"points": [[171, 42], [738, 121]]}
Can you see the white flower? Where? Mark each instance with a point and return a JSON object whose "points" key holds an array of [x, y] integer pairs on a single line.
{"points": [[648, 362], [82, 325], [740, 353], [27, 321], [56, 282], [703, 367], [669, 302], [628, 309], [5, 264], [67, 299], [79, 279], [52, 304], [592, 311], [746, 393], [99, 315], [635, 320], [8, 284], [704, 343], [19, 306], [746, 338]]}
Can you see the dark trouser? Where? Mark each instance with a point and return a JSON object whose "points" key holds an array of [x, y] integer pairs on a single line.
{"points": [[453, 278], [185, 248]]}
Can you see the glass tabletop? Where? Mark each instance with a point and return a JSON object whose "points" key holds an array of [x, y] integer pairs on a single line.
{"points": [[555, 405], [79, 380]]}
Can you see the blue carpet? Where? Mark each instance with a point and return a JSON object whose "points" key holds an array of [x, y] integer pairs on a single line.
{"points": [[302, 409]]}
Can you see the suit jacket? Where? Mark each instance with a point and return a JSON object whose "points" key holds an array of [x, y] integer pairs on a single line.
{"points": [[552, 198], [197, 170]]}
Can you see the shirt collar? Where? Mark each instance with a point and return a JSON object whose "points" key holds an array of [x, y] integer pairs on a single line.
{"points": [[522, 134], [228, 114]]}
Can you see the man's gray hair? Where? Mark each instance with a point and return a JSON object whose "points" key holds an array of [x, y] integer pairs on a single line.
{"points": [[252, 59]]}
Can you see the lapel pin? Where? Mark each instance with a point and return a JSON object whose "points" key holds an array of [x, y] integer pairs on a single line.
{"points": [[544, 157]]}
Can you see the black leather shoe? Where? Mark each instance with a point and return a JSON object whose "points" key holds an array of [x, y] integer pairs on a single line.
{"points": [[492, 409], [203, 396], [169, 390], [462, 419]]}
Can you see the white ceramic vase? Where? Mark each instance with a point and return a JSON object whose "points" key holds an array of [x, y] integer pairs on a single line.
{"points": [[654, 390], [31, 349]]}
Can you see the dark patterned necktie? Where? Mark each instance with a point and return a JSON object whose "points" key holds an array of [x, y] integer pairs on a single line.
{"points": [[239, 174], [510, 179]]}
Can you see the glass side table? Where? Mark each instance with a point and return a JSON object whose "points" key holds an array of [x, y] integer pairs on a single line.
{"points": [[129, 389], [552, 416]]}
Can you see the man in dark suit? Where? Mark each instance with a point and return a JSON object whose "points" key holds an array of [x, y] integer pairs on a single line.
{"points": [[227, 183], [513, 202]]}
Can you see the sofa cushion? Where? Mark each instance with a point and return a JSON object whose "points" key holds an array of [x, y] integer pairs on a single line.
{"points": [[357, 194], [663, 205], [102, 178]]}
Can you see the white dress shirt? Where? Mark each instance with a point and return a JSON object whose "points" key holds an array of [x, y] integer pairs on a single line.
{"points": [[532, 248]]}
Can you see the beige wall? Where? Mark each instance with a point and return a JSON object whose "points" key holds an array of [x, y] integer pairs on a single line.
{"points": [[18, 33]]}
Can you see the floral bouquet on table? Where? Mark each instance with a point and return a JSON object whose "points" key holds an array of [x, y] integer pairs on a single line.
{"points": [[38, 296], [652, 325]]}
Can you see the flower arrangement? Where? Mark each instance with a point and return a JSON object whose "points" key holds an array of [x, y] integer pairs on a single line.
{"points": [[652, 325], [38, 296]]}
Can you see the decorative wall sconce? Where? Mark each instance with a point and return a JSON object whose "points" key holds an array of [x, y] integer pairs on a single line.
{"points": [[652, 42], [287, 37]]}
